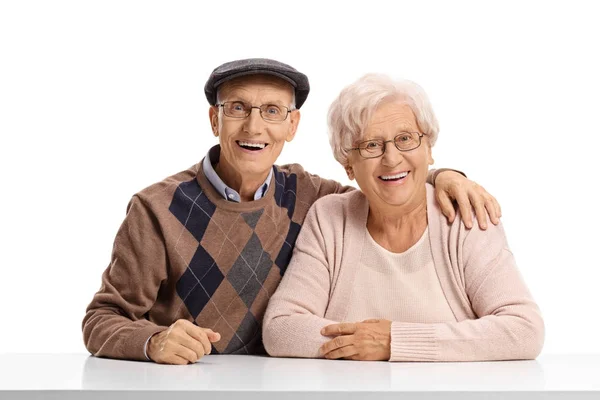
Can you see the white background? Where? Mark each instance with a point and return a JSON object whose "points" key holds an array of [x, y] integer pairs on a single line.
{"points": [[100, 99]]}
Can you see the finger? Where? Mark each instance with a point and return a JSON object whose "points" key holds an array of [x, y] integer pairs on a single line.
{"points": [[446, 206], [465, 209], [491, 210], [344, 328], [172, 359], [199, 345], [342, 352], [185, 352], [183, 324], [335, 343], [371, 321], [197, 335], [212, 335], [498, 208], [480, 212], [171, 352], [206, 345]]}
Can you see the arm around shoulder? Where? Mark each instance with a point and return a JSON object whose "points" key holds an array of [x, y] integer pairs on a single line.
{"points": [[433, 174]]}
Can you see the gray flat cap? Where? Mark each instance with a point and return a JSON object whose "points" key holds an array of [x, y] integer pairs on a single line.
{"points": [[255, 66]]}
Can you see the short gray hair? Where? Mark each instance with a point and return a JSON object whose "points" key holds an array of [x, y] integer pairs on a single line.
{"points": [[351, 111]]}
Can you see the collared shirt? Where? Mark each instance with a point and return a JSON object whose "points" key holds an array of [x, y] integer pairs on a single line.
{"points": [[212, 157]]}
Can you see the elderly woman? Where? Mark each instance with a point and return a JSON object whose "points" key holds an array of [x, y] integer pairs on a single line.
{"points": [[379, 274]]}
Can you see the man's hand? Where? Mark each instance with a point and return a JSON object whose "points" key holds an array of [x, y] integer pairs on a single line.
{"points": [[183, 343], [450, 185], [368, 340]]}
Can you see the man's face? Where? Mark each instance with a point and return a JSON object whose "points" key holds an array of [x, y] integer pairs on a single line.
{"points": [[250, 146]]}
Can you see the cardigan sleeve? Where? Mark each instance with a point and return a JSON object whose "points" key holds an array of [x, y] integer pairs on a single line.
{"points": [[114, 325], [295, 314], [508, 323]]}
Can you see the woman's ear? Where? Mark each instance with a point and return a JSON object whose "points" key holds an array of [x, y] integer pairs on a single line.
{"points": [[350, 172], [430, 159]]}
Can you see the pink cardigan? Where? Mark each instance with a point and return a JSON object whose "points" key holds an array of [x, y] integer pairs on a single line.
{"points": [[496, 316]]}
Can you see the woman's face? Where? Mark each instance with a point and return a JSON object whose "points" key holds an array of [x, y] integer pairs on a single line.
{"points": [[398, 177]]}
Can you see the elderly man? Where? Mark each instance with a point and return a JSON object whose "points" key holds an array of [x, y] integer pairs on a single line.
{"points": [[200, 253]]}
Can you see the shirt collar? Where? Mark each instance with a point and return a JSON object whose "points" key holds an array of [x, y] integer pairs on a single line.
{"points": [[212, 157]]}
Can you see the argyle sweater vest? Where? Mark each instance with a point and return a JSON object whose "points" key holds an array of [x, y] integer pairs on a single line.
{"points": [[185, 252]]}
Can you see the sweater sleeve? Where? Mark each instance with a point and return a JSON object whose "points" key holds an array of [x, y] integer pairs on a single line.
{"points": [[114, 324], [329, 186], [295, 314], [433, 173], [508, 324]]}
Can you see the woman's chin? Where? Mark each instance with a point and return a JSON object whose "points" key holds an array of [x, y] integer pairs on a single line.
{"points": [[391, 201]]}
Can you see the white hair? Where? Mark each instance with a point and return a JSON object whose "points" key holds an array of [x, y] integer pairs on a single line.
{"points": [[351, 111]]}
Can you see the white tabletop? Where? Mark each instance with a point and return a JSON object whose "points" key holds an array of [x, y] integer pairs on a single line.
{"points": [[250, 377]]}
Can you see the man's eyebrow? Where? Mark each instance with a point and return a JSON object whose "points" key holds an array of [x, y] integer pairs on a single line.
{"points": [[234, 96], [237, 97]]}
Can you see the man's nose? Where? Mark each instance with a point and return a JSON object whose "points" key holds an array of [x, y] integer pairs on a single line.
{"points": [[254, 122]]}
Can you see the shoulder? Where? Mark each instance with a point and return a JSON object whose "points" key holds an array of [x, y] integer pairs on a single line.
{"points": [[162, 192], [342, 206], [337, 219], [493, 239], [289, 169], [298, 173], [341, 201], [306, 179]]}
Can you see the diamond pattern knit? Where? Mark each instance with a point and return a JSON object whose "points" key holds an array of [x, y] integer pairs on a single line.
{"points": [[185, 252]]}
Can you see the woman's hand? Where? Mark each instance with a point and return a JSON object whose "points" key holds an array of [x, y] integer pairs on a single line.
{"points": [[368, 340]]}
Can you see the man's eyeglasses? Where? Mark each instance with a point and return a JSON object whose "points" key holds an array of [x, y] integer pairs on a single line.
{"points": [[268, 112], [404, 141]]}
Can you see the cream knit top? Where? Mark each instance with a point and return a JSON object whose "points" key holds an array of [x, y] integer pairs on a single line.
{"points": [[406, 285], [493, 316]]}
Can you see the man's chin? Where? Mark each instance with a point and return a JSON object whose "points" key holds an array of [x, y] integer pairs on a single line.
{"points": [[254, 168]]}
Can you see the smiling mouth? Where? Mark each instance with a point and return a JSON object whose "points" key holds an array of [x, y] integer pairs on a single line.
{"points": [[395, 177], [251, 146]]}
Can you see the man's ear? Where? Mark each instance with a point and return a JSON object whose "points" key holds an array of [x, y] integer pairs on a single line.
{"points": [[294, 121], [213, 115]]}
